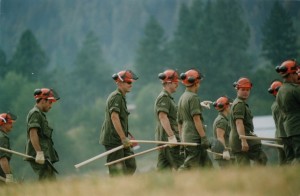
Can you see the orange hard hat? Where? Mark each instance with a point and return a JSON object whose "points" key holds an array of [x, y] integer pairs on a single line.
{"points": [[243, 83], [191, 77], [46, 93], [124, 76], [275, 87], [287, 67], [169, 75], [7, 118], [221, 103]]}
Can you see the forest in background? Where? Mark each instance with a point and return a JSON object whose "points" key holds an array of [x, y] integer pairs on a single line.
{"points": [[74, 46]]}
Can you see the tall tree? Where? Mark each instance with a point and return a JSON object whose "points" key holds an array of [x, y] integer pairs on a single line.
{"points": [[213, 41], [151, 53], [91, 71], [279, 40], [29, 58], [230, 38], [184, 47]]}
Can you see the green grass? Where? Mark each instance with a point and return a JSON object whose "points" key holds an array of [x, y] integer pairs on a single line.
{"points": [[232, 181]]}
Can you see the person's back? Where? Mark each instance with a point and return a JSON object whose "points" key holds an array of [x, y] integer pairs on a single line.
{"points": [[190, 122]]}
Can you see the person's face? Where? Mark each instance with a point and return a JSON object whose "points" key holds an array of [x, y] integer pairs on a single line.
{"points": [[243, 93], [295, 78], [172, 86], [198, 84], [7, 127], [46, 105], [125, 87], [298, 80]]}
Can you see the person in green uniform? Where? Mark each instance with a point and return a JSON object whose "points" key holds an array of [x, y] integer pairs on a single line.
{"points": [[278, 119], [241, 123], [190, 122], [221, 131], [39, 135], [288, 100], [165, 110], [6, 125], [114, 131]]}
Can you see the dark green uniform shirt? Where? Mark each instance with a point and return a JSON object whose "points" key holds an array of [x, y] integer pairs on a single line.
{"points": [[222, 122], [116, 102], [278, 117], [288, 99], [188, 106], [240, 110], [165, 103], [37, 119], [4, 143]]}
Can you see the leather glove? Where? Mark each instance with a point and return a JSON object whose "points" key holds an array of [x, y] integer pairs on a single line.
{"points": [[40, 158], [126, 143], [173, 140], [206, 104], [9, 178], [205, 143], [226, 155]]}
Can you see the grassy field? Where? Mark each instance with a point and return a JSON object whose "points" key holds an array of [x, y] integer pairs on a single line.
{"points": [[231, 181]]}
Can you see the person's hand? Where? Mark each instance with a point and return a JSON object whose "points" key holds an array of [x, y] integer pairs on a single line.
{"points": [[226, 155], [206, 104], [205, 143], [9, 178], [245, 146], [126, 143], [172, 139], [40, 158]]}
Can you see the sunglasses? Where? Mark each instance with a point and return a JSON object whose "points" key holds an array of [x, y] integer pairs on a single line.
{"points": [[128, 82]]}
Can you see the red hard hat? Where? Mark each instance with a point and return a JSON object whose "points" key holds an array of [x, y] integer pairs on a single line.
{"points": [[287, 67], [124, 76], [191, 77], [46, 93], [243, 83], [221, 103], [169, 75], [7, 118], [274, 87]]}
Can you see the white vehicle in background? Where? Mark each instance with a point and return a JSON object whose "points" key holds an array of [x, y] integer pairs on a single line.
{"points": [[264, 126]]}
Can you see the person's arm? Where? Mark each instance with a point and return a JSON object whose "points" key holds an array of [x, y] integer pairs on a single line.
{"points": [[35, 141], [165, 122], [5, 165], [34, 138], [180, 131], [241, 131], [198, 125], [220, 135], [117, 124]]}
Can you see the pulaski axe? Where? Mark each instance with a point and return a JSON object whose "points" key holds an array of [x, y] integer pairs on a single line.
{"points": [[47, 161]]}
